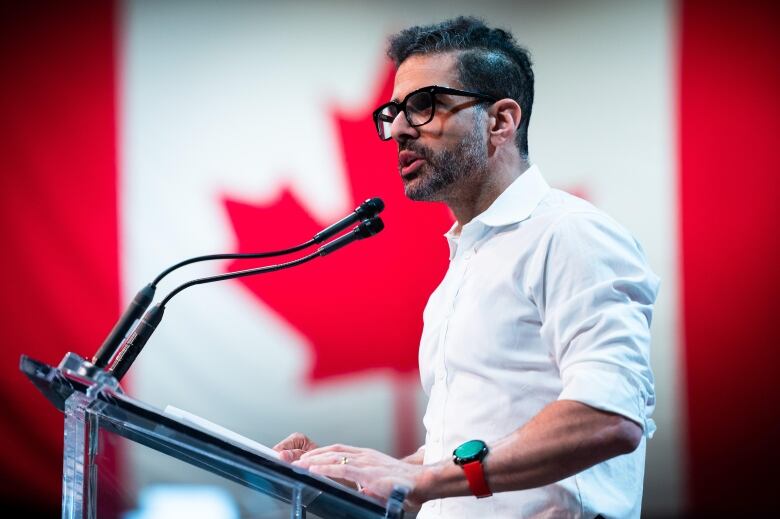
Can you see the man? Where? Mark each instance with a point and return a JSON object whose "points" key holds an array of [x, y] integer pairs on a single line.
{"points": [[535, 348]]}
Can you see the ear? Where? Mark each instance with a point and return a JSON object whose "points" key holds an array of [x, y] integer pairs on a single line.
{"points": [[504, 118]]}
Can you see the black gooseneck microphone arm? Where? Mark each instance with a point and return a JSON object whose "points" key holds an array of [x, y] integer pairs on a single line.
{"points": [[366, 210], [144, 297], [135, 342]]}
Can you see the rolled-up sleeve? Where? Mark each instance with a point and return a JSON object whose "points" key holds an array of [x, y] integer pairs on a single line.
{"points": [[596, 293]]}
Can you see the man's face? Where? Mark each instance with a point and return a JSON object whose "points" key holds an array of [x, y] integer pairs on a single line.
{"points": [[437, 161]]}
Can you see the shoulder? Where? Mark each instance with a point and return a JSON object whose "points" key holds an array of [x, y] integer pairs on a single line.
{"points": [[571, 222], [581, 244]]}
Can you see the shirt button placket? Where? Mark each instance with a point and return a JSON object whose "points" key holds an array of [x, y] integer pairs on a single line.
{"points": [[441, 380], [441, 373]]}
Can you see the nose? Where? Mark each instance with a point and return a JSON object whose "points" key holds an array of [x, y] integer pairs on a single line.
{"points": [[401, 131]]}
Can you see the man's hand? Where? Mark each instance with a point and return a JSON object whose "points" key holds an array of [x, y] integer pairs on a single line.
{"points": [[294, 446], [374, 472]]}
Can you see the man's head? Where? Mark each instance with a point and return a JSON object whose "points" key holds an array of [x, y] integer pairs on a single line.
{"points": [[488, 61], [492, 97]]}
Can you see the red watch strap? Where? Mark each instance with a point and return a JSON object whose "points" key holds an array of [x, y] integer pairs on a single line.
{"points": [[475, 475]]}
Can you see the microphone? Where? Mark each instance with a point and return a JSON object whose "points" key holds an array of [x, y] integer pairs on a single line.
{"points": [[366, 210], [136, 341], [132, 313], [366, 229], [143, 299]]}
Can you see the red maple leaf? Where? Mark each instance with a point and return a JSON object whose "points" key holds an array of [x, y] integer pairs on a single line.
{"points": [[361, 307]]}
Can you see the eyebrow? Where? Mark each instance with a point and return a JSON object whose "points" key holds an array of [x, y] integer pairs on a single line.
{"points": [[398, 101]]}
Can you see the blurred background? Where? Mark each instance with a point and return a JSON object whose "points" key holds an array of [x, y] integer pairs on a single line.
{"points": [[136, 133]]}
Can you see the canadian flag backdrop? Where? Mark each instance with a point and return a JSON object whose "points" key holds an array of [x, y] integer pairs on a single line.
{"points": [[134, 134]]}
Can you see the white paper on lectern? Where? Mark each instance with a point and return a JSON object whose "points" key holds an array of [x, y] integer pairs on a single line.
{"points": [[218, 430]]}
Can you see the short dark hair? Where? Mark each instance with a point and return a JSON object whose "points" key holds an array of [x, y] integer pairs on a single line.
{"points": [[489, 61]]}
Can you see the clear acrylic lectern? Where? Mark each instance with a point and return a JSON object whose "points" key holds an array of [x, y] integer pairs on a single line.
{"points": [[93, 401]]}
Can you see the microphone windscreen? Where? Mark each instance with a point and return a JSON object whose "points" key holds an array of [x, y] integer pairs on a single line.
{"points": [[369, 208], [370, 227]]}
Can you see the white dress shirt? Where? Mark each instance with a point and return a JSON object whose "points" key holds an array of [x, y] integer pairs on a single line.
{"points": [[546, 298]]}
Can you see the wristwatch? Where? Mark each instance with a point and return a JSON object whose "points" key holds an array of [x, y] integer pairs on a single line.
{"points": [[469, 456]]}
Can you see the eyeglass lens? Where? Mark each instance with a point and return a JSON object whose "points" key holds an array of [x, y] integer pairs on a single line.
{"points": [[419, 110]]}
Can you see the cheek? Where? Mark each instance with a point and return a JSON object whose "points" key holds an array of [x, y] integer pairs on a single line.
{"points": [[432, 130]]}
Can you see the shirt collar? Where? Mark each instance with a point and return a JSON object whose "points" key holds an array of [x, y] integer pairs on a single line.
{"points": [[514, 205], [518, 201]]}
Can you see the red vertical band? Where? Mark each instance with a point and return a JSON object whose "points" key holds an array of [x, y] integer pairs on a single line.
{"points": [[475, 475], [729, 129], [58, 215]]}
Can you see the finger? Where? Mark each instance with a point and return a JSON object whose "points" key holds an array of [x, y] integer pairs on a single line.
{"points": [[287, 456], [291, 442], [291, 455], [345, 449], [338, 471], [324, 458], [295, 441]]}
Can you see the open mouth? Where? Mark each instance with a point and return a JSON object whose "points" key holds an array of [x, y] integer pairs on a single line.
{"points": [[408, 164]]}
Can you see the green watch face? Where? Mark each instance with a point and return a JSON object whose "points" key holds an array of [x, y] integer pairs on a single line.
{"points": [[470, 450]]}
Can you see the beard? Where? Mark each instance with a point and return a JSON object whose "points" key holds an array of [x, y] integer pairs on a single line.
{"points": [[446, 168]]}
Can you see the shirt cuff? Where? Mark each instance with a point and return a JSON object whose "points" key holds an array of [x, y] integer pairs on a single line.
{"points": [[609, 388]]}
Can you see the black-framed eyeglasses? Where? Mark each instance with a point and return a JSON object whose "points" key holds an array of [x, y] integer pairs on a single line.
{"points": [[418, 107]]}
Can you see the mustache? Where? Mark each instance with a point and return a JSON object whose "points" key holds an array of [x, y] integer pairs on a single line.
{"points": [[417, 148]]}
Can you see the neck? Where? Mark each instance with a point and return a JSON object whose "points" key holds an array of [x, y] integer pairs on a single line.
{"points": [[475, 197]]}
